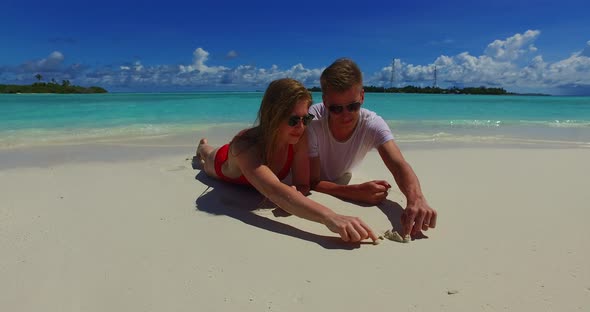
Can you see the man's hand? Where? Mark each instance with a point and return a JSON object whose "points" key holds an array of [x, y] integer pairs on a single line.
{"points": [[418, 216], [372, 192], [350, 229]]}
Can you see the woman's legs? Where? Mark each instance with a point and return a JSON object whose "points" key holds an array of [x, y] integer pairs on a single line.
{"points": [[206, 157]]}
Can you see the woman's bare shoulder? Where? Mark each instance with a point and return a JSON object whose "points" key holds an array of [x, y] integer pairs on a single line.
{"points": [[244, 142]]}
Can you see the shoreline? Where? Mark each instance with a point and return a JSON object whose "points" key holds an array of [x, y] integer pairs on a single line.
{"points": [[183, 147], [543, 136]]}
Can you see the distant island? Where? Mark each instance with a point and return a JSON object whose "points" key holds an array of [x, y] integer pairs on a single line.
{"points": [[436, 90], [49, 87]]}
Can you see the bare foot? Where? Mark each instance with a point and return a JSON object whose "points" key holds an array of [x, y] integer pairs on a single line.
{"points": [[198, 160], [203, 141]]}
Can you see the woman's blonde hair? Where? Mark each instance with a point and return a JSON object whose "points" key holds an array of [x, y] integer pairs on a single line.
{"points": [[278, 103]]}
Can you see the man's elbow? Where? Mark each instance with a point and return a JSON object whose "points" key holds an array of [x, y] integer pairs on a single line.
{"points": [[314, 183], [303, 189]]}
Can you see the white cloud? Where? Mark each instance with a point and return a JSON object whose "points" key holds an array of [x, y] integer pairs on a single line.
{"points": [[48, 64], [511, 63], [135, 67], [51, 67], [573, 70], [512, 48], [500, 66], [500, 69], [231, 54], [534, 73], [200, 56], [138, 66], [54, 59]]}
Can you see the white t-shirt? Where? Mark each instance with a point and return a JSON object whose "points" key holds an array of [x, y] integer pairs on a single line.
{"points": [[338, 158]]}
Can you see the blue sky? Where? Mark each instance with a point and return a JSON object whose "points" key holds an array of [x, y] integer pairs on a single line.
{"points": [[127, 46]]}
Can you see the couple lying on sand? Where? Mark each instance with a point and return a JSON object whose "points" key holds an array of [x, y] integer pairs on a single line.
{"points": [[337, 140]]}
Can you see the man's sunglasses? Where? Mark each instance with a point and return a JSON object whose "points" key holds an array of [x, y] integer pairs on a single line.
{"points": [[294, 120], [337, 109]]}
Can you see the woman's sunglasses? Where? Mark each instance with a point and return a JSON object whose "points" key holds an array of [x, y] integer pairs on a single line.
{"points": [[337, 109], [294, 120]]}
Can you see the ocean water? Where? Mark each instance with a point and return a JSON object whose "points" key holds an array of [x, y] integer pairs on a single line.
{"points": [[38, 119]]}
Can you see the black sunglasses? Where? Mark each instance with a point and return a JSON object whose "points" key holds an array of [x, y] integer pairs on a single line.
{"points": [[294, 120], [337, 109]]}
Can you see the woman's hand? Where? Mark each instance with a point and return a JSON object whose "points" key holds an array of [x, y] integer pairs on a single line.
{"points": [[350, 229]]}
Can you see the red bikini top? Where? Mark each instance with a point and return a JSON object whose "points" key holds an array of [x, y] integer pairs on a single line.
{"points": [[282, 174]]}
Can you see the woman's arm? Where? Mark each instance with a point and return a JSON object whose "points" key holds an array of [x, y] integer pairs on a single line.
{"points": [[266, 182], [300, 167]]}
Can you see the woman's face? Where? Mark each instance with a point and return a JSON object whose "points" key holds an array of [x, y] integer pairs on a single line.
{"points": [[291, 134]]}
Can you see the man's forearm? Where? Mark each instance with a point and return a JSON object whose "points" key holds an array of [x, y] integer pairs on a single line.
{"points": [[331, 188], [402, 172], [408, 183]]}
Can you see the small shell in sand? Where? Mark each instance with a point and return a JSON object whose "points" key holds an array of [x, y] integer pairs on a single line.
{"points": [[395, 236]]}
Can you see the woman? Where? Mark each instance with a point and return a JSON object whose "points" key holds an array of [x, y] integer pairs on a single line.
{"points": [[263, 155]]}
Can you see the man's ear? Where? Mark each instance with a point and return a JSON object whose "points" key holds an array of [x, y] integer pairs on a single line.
{"points": [[362, 95]]}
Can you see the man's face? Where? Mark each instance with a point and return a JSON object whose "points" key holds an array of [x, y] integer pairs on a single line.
{"points": [[344, 107]]}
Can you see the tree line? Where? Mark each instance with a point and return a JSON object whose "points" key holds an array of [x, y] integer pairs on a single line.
{"points": [[49, 87]]}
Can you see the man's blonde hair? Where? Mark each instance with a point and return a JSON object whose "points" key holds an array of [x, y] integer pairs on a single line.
{"points": [[341, 75]]}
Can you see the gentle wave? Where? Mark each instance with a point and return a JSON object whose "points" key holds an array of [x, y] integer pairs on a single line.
{"points": [[37, 136], [556, 132], [489, 123], [571, 132], [481, 139]]}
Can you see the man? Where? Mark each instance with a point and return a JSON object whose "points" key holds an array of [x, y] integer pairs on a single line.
{"points": [[342, 135]]}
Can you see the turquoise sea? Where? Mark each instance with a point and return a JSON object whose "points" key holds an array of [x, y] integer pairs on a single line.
{"points": [[38, 119]]}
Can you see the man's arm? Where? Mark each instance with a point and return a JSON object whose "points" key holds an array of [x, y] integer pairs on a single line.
{"points": [[372, 192], [418, 215]]}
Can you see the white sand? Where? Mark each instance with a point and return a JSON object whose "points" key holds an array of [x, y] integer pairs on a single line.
{"points": [[127, 235]]}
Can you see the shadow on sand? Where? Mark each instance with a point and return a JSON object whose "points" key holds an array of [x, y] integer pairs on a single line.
{"points": [[393, 211], [239, 202]]}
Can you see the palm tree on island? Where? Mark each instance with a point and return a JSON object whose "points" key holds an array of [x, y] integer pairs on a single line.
{"points": [[51, 87]]}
